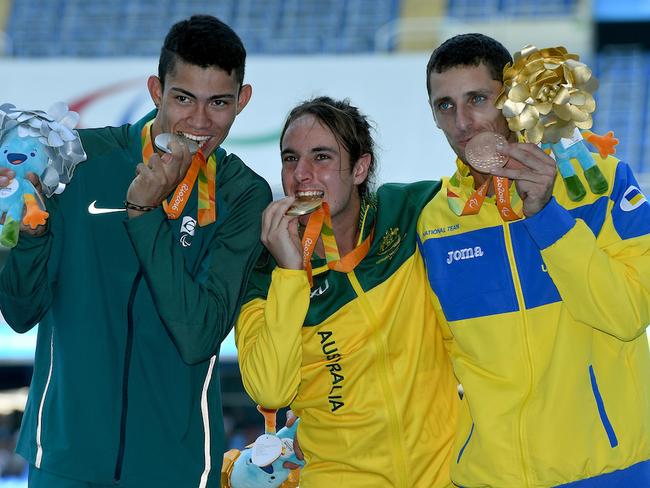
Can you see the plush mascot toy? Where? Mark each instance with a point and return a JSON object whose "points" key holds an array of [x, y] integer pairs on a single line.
{"points": [[43, 143], [574, 148], [261, 465]]}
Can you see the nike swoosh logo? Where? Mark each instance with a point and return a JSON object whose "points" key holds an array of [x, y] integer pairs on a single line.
{"points": [[93, 210]]}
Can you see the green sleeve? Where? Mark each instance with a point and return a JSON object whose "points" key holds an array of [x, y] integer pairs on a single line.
{"points": [[199, 313], [26, 280], [25, 291]]}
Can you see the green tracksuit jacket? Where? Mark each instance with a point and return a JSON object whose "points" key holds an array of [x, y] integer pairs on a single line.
{"points": [[132, 314]]}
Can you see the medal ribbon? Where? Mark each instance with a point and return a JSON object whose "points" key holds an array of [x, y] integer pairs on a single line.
{"points": [[457, 190], [502, 194], [204, 171], [320, 224]]}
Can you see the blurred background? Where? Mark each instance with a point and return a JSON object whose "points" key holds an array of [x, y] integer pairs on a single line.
{"points": [[97, 54]]}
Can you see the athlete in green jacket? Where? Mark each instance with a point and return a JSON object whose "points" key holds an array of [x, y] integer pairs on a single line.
{"points": [[132, 303]]}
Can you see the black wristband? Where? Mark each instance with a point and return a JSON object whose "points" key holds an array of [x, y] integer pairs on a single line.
{"points": [[140, 208]]}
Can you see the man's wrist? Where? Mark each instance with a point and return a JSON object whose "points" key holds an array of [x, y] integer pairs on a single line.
{"points": [[135, 210], [549, 224], [139, 208]]}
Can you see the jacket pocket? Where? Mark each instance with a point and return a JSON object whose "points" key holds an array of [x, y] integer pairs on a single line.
{"points": [[462, 449], [607, 425], [41, 406]]}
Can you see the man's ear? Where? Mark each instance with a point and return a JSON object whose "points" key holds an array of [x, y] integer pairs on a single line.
{"points": [[155, 90], [361, 167], [245, 93]]}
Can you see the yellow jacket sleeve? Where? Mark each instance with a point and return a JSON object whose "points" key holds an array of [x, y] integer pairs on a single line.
{"points": [[269, 339], [603, 280]]}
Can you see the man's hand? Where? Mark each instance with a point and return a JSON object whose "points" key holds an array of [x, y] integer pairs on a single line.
{"points": [[155, 181], [532, 170], [6, 176], [280, 234], [291, 419]]}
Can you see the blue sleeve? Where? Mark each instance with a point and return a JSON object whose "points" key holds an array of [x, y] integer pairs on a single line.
{"points": [[630, 210]]}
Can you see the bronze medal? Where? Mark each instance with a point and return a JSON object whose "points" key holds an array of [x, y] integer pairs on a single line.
{"points": [[481, 151]]}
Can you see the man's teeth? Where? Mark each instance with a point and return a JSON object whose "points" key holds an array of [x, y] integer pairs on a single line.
{"points": [[310, 194], [200, 140]]}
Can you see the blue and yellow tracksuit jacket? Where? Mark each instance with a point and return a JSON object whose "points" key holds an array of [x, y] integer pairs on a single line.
{"points": [[545, 319], [358, 357]]}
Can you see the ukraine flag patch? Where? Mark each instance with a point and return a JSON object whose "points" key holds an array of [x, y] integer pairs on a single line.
{"points": [[632, 198]]}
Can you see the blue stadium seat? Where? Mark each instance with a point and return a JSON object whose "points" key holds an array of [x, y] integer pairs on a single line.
{"points": [[136, 27], [623, 102], [474, 9]]}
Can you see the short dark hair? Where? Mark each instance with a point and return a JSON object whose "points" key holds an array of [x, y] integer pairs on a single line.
{"points": [[350, 127], [205, 41], [469, 50]]}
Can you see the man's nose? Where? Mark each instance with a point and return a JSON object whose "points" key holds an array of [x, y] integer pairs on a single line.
{"points": [[463, 119], [303, 171], [199, 118]]}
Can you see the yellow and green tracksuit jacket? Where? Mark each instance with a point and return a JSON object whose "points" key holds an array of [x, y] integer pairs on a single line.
{"points": [[359, 358], [546, 319]]}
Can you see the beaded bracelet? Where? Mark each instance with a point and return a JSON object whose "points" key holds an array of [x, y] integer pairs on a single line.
{"points": [[140, 208]]}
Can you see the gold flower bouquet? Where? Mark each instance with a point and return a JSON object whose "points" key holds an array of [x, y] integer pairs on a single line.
{"points": [[547, 97]]}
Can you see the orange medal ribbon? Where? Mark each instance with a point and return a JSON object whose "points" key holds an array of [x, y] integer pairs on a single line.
{"points": [[175, 207], [502, 194], [320, 224]]}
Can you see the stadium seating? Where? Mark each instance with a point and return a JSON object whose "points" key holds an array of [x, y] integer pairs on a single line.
{"points": [[481, 9], [134, 28], [623, 103]]}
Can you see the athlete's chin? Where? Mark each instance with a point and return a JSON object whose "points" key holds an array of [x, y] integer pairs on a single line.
{"points": [[210, 146], [304, 220], [460, 152]]}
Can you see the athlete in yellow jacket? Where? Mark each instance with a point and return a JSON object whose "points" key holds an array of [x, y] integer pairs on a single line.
{"points": [[358, 355], [545, 315]]}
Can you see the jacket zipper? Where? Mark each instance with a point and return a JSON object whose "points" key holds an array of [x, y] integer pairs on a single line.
{"points": [[393, 418], [125, 377], [522, 309]]}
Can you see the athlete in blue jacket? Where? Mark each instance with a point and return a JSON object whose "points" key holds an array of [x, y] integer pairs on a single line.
{"points": [[545, 315]]}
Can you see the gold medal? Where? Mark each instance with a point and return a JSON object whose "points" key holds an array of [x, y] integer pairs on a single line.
{"points": [[304, 205]]}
